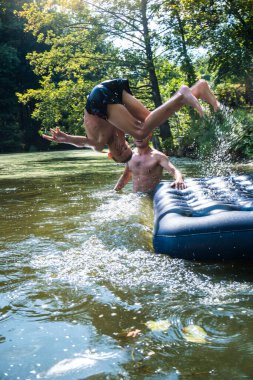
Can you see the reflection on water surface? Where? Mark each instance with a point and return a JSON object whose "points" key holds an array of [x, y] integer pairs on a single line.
{"points": [[78, 272]]}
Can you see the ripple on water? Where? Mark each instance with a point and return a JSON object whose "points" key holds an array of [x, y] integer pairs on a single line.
{"points": [[92, 362], [151, 287], [97, 277], [113, 281], [136, 269]]}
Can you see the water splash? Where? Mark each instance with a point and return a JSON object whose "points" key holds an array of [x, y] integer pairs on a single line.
{"points": [[217, 155]]}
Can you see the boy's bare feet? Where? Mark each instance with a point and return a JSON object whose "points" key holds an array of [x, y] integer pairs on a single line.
{"points": [[189, 99], [201, 90]]}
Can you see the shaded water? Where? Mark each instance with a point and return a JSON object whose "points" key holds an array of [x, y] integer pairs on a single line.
{"points": [[78, 272]]}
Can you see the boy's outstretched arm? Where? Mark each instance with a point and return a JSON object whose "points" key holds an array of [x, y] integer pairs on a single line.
{"points": [[124, 179], [179, 183], [61, 137]]}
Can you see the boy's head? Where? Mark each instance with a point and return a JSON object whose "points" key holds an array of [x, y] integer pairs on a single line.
{"points": [[124, 157]]}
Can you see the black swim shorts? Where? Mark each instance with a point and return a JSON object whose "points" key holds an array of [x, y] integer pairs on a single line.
{"points": [[108, 92]]}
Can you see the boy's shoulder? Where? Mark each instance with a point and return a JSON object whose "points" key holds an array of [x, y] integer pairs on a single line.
{"points": [[159, 154]]}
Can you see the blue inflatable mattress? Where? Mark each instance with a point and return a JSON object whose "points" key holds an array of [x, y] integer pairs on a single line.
{"points": [[212, 219]]}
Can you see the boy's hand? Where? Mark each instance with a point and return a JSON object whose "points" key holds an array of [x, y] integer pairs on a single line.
{"points": [[179, 184], [56, 135]]}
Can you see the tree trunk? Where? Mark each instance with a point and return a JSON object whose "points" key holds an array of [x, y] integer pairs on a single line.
{"points": [[187, 65], [165, 131], [156, 143], [249, 89]]}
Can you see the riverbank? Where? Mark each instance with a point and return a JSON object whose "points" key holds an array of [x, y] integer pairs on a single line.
{"points": [[43, 164]]}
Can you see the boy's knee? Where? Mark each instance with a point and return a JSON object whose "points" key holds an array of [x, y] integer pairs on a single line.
{"points": [[140, 132], [202, 82]]}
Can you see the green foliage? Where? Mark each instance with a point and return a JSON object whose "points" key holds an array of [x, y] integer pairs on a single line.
{"points": [[10, 136], [226, 134], [225, 29], [243, 144], [170, 78], [15, 75], [232, 94], [68, 69], [177, 37]]}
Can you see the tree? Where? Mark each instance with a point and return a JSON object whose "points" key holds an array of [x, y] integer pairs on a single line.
{"points": [[75, 59], [87, 42], [178, 37], [133, 22], [15, 75], [224, 28]]}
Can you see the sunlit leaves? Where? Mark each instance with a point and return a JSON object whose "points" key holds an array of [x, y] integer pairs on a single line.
{"points": [[77, 56], [225, 28], [86, 41]]}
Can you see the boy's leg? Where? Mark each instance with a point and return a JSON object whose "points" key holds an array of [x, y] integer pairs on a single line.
{"points": [[121, 118], [98, 130], [201, 90], [135, 107], [174, 104]]}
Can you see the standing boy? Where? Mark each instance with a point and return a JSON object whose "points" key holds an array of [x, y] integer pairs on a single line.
{"points": [[146, 169]]}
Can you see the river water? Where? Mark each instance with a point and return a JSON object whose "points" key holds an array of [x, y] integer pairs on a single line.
{"points": [[78, 273]]}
